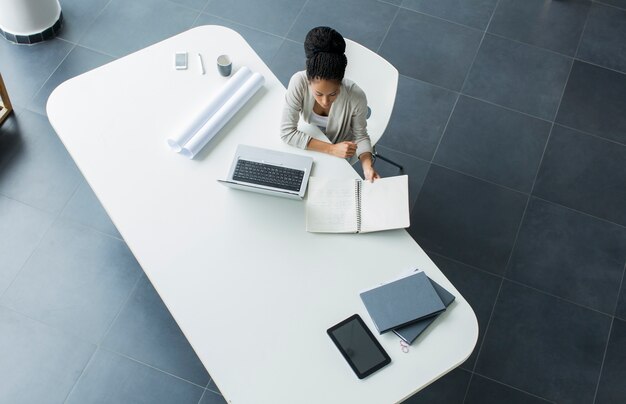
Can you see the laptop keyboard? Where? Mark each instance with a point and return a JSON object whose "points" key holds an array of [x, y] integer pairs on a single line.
{"points": [[268, 175]]}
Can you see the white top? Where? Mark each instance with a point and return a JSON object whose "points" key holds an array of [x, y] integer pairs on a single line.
{"points": [[252, 291], [319, 121]]}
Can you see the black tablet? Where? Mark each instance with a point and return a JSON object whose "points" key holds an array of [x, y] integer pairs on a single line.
{"points": [[358, 346]]}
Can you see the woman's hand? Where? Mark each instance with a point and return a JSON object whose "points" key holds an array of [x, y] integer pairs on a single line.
{"points": [[368, 167], [343, 149], [370, 173]]}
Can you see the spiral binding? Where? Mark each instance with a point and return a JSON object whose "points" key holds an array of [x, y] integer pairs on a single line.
{"points": [[357, 192]]}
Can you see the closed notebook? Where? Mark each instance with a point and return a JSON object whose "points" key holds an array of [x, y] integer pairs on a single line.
{"points": [[402, 302], [410, 332]]}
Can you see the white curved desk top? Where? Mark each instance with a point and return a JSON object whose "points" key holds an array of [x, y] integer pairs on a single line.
{"points": [[253, 292]]}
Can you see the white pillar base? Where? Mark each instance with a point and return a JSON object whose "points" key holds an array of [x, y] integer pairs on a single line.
{"points": [[30, 21]]}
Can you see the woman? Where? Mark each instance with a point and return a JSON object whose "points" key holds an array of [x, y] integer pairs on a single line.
{"points": [[324, 98]]}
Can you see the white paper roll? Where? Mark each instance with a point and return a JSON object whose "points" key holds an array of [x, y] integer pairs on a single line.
{"points": [[223, 115], [192, 125]]}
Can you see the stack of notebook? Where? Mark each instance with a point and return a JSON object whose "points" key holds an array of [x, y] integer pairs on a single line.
{"points": [[406, 306]]}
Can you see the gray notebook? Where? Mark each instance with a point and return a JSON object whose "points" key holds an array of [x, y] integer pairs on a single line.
{"points": [[410, 332], [402, 302]]}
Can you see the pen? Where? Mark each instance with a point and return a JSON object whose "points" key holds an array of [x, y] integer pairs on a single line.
{"points": [[201, 64]]}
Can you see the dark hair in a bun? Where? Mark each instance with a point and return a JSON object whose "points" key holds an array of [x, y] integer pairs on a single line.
{"points": [[325, 59]]}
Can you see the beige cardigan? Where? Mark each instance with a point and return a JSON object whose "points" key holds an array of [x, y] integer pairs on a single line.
{"points": [[346, 119]]}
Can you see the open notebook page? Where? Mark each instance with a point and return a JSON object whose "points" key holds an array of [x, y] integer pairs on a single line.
{"points": [[385, 204], [331, 206]]}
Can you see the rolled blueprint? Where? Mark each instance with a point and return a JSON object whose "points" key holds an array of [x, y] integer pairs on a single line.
{"points": [[223, 115], [193, 125]]}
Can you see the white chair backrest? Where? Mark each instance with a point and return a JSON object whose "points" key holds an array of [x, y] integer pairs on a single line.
{"points": [[378, 79]]}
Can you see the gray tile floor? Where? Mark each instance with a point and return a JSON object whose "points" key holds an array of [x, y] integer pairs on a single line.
{"points": [[510, 120]]}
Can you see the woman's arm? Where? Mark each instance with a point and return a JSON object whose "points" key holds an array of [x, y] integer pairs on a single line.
{"points": [[294, 101], [341, 149], [364, 149], [367, 162]]}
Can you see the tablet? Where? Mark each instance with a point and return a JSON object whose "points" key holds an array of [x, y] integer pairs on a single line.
{"points": [[358, 346]]}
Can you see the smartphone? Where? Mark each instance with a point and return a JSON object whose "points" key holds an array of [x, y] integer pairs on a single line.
{"points": [[180, 60], [358, 346]]}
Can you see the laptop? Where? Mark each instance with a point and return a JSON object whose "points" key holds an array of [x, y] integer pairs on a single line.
{"points": [[269, 172]]}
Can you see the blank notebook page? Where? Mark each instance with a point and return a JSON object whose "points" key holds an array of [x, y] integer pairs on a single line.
{"points": [[385, 204]]}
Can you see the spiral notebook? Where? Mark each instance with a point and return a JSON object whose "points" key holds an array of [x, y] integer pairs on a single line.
{"points": [[357, 206]]}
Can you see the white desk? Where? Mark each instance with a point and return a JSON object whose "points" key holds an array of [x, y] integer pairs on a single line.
{"points": [[253, 292]]}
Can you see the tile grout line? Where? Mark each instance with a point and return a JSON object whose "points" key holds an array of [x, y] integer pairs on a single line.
{"points": [[606, 348], [208, 14], [26, 203], [185, 6], [519, 226], [202, 396], [69, 393], [206, 4], [82, 35], [469, 383], [514, 388], [449, 21], [86, 226], [206, 388], [608, 339], [580, 40], [43, 236], [66, 56], [480, 179], [600, 66], [121, 308], [195, 20], [99, 345], [556, 113], [382, 41], [474, 267], [485, 272], [103, 348], [96, 345], [391, 4], [200, 12], [580, 305], [609, 5], [516, 110], [284, 38], [495, 303], [458, 96], [506, 187], [79, 45], [574, 56], [296, 19], [30, 100], [591, 134], [535, 46], [579, 211]]}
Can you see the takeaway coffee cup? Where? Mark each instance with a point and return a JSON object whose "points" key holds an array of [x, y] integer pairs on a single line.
{"points": [[224, 65]]}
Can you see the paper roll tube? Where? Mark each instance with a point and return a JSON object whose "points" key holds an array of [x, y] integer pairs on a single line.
{"points": [[223, 115], [191, 126]]}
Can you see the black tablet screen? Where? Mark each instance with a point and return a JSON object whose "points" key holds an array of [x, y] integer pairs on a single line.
{"points": [[358, 346]]}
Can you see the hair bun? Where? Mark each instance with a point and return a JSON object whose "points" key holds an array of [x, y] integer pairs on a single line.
{"points": [[323, 40]]}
